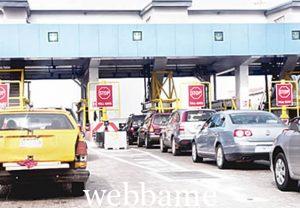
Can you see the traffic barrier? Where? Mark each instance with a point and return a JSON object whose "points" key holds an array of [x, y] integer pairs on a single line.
{"points": [[100, 127], [115, 140]]}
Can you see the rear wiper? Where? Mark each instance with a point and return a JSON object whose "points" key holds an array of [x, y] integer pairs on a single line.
{"points": [[15, 129]]}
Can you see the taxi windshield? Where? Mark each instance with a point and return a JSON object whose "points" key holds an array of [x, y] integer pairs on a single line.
{"points": [[34, 121]]}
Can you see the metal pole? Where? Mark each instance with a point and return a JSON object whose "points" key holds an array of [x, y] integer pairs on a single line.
{"points": [[215, 86], [267, 87]]}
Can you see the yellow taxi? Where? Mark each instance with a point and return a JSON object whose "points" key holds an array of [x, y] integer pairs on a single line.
{"points": [[42, 145]]}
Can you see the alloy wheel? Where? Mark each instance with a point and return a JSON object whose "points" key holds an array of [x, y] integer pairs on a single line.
{"points": [[280, 171], [220, 158], [194, 152]]}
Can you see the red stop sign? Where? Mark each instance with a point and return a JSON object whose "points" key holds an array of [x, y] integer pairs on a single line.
{"points": [[196, 95], [4, 94], [284, 94], [104, 95]]}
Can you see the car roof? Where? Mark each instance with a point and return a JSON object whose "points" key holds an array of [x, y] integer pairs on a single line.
{"points": [[185, 110], [35, 110], [242, 111]]}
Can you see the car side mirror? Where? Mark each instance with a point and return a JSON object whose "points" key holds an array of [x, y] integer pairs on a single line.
{"points": [[294, 127], [205, 126]]}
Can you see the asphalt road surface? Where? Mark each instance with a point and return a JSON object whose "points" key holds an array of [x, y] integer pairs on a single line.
{"points": [[147, 178]]}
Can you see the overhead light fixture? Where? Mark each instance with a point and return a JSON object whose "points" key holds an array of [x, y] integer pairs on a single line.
{"points": [[52, 37], [219, 36], [137, 36], [296, 35]]}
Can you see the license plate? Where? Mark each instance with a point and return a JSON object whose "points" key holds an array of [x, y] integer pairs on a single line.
{"points": [[31, 143], [263, 149]]}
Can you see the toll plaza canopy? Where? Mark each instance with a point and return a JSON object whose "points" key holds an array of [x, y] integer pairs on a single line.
{"points": [[62, 51]]}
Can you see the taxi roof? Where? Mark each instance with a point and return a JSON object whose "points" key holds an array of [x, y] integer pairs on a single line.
{"points": [[35, 110]]}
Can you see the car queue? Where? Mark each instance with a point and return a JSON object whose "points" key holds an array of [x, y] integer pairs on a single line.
{"points": [[229, 137]]}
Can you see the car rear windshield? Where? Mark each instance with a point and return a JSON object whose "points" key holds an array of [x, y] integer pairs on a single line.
{"points": [[138, 120], [34, 121], [254, 118], [195, 116], [160, 119]]}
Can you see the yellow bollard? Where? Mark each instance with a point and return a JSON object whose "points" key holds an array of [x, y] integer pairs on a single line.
{"points": [[104, 115], [284, 115]]}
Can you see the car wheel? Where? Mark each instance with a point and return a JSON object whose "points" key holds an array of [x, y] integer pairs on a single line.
{"points": [[130, 141], [147, 143], [195, 155], [282, 174], [139, 142], [78, 189], [163, 148], [175, 151], [220, 158]]}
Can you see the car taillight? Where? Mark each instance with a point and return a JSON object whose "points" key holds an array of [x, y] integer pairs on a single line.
{"points": [[81, 154], [242, 133], [181, 128], [151, 129]]}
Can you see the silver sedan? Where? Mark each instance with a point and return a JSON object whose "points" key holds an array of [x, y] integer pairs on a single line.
{"points": [[285, 157], [236, 136]]}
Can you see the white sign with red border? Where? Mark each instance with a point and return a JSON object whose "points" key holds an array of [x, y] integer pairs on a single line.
{"points": [[196, 95], [284, 94], [4, 95], [104, 95]]}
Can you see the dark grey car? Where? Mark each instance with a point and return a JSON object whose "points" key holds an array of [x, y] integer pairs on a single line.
{"points": [[285, 157], [237, 136]]}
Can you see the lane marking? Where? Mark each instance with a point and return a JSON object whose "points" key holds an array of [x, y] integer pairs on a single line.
{"points": [[234, 192], [149, 170], [180, 167]]}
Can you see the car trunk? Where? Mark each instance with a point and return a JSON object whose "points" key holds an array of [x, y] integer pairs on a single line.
{"points": [[192, 127], [40, 145], [263, 132], [156, 129]]}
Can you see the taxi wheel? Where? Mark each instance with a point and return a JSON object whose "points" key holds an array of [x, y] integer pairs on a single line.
{"points": [[78, 189]]}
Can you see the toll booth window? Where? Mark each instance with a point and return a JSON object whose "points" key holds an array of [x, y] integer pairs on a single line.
{"points": [[219, 36], [137, 36], [296, 35]]}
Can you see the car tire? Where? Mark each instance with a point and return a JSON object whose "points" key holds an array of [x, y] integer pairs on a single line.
{"points": [[147, 143], [78, 189], [175, 152], [130, 142], [195, 157], [220, 158], [139, 142], [282, 174], [163, 148]]}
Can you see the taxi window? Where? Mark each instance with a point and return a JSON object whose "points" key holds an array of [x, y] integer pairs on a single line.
{"points": [[34, 121]]}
